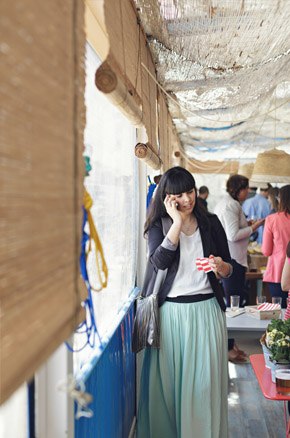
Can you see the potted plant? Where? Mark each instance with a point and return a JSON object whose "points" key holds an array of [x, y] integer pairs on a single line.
{"points": [[276, 345], [266, 351]]}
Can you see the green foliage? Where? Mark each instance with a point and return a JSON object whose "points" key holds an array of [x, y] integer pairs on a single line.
{"points": [[278, 340], [280, 325]]}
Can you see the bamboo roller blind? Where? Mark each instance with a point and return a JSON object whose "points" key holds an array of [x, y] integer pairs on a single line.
{"points": [[41, 182], [167, 135], [126, 54], [126, 51], [226, 167]]}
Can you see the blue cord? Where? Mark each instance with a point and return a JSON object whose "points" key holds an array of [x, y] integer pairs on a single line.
{"points": [[89, 324]]}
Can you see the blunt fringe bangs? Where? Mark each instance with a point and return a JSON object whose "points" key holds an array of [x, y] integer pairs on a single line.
{"points": [[177, 180]]}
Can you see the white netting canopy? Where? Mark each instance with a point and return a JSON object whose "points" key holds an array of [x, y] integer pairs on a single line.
{"points": [[225, 66]]}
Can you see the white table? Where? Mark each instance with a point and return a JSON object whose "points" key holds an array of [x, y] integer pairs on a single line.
{"points": [[247, 331], [247, 323]]}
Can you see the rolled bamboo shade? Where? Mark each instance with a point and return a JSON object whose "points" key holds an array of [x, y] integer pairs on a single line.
{"points": [[145, 153], [122, 75], [41, 179], [246, 170], [168, 139], [95, 27], [163, 131], [120, 93], [226, 167], [272, 166], [129, 50]]}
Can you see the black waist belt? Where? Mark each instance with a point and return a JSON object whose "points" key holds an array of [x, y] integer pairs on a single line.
{"points": [[190, 298]]}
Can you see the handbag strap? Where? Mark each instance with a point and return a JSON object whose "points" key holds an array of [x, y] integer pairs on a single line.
{"points": [[161, 274]]}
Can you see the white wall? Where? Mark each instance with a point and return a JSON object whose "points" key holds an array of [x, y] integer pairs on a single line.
{"points": [[14, 415], [216, 185], [54, 414]]}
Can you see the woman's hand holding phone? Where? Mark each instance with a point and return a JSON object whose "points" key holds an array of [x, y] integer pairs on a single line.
{"points": [[172, 208]]}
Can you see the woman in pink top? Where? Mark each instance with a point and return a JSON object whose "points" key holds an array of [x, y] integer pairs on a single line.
{"points": [[275, 239]]}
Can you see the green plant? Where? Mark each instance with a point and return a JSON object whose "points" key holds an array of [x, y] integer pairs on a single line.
{"points": [[277, 340], [280, 325]]}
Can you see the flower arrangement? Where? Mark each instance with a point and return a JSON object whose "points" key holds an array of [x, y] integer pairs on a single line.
{"points": [[277, 340]]}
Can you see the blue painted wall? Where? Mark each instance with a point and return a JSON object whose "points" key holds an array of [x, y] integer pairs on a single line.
{"points": [[112, 383]]}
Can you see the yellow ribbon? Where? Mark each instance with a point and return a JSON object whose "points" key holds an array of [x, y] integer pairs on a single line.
{"points": [[88, 202]]}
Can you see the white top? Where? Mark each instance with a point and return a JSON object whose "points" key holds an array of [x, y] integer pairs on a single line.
{"points": [[230, 213], [188, 280]]}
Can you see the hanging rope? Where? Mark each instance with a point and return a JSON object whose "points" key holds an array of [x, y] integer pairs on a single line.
{"points": [[88, 326], [77, 391], [102, 269]]}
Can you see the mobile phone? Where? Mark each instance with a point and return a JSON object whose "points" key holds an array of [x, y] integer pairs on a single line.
{"points": [[177, 205]]}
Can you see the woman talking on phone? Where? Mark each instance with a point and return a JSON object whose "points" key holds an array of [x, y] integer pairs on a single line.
{"points": [[183, 390]]}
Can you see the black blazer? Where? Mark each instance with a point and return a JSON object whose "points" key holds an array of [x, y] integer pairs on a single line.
{"points": [[214, 242]]}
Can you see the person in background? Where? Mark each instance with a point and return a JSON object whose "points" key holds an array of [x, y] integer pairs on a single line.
{"points": [[275, 240], [273, 198], [285, 278], [235, 354], [252, 192], [258, 207], [230, 213], [203, 193], [183, 388], [285, 281], [152, 188], [157, 179]]}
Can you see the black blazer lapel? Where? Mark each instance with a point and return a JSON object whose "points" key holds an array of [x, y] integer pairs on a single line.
{"points": [[205, 238]]}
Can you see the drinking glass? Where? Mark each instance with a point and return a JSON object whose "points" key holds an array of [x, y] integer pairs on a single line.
{"points": [[235, 303], [260, 299], [277, 300], [283, 381]]}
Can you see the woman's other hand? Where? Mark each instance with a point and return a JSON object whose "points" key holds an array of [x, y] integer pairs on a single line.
{"points": [[219, 267], [255, 225]]}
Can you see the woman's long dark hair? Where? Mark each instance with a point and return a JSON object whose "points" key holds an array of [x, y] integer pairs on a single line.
{"points": [[284, 195], [174, 181]]}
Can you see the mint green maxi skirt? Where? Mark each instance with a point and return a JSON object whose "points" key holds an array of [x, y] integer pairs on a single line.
{"points": [[184, 385]]}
